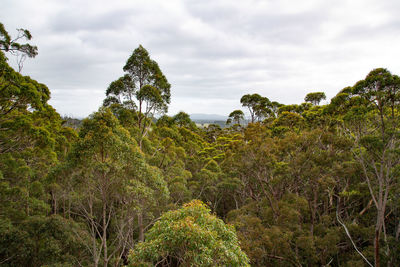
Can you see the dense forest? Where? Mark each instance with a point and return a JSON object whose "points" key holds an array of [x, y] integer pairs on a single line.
{"points": [[298, 185]]}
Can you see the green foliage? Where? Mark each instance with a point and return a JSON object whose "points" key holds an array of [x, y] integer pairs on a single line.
{"points": [[12, 45], [182, 119], [304, 184], [190, 236], [236, 117], [113, 182], [122, 92], [292, 121], [39, 241], [315, 98], [143, 91], [259, 107], [148, 78]]}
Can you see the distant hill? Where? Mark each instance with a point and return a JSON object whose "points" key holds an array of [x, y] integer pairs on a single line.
{"points": [[203, 120], [207, 117]]}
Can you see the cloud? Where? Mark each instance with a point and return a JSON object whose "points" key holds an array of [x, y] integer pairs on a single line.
{"points": [[212, 52], [72, 21]]}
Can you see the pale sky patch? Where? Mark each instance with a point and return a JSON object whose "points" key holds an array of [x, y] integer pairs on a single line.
{"points": [[211, 51]]}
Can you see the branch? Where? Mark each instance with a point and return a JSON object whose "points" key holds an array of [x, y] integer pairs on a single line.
{"points": [[366, 208], [349, 236], [9, 258], [364, 168]]}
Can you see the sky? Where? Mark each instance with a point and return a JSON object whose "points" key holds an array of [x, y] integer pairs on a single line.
{"points": [[211, 51]]}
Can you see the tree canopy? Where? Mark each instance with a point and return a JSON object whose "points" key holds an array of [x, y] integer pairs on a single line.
{"points": [[305, 184], [189, 236]]}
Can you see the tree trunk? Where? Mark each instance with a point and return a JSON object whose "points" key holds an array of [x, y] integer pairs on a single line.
{"points": [[105, 234], [141, 227], [378, 229], [376, 245], [93, 233]]}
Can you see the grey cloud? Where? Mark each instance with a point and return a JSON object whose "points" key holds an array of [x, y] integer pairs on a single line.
{"points": [[274, 27], [362, 32], [212, 52], [73, 20]]}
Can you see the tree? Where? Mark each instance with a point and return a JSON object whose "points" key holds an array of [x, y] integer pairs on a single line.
{"points": [[377, 148], [288, 120], [182, 119], [12, 46], [235, 116], [113, 185], [43, 241], [143, 88], [32, 138], [18, 93], [315, 98], [32, 141], [190, 236], [121, 91], [257, 105], [170, 158], [371, 120]]}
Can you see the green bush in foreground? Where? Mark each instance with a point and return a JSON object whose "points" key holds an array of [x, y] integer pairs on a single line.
{"points": [[190, 236]]}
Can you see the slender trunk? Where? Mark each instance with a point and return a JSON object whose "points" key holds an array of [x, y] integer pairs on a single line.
{"points": [[141, 227], [96, 259], [366, 208], [236, 203], [93, 232], [104, 215], [144, 125], [312, 213], [378, 229], [140, 118], [314, 210], [271, 203], [376, 244], [105, 234], [140, 114]]}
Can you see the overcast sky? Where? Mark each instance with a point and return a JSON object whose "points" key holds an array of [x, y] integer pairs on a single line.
{"points": [[211, 51]]}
